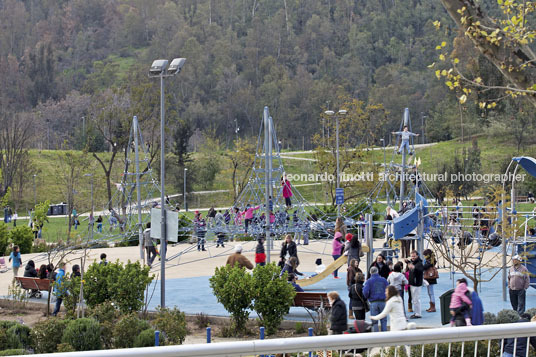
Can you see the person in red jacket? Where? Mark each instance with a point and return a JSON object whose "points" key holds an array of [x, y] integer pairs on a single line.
{"points": [[287, 190], [260, 255]]}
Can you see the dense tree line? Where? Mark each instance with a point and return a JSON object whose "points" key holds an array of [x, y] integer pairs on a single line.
{"points": [[77, 70]]}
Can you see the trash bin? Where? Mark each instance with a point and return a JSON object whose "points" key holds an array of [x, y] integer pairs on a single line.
{"points": [[56, 210], [444, 301]]}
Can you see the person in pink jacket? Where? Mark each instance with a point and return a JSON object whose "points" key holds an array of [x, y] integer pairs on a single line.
{"points": [[287, 190], [337, 250], [457, 300], [248, 215]]}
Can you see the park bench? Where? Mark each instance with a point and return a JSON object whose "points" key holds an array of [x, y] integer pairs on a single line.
{"points": [[522, 199], [34, 284], [312, 300]]}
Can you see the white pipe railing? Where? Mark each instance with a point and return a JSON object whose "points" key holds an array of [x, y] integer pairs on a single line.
{"points": [[333, 342]]}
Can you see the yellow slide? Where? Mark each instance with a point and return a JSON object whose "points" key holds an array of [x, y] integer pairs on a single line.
{"points": [[343, 259], [329, 269]]}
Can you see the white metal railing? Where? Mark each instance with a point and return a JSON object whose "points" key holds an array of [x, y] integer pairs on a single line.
{"points": [[303, 345]]}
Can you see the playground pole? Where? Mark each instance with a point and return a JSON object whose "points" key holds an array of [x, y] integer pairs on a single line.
{"points": [[138, 188], [369, 238], [267, 180], [503, 246]]}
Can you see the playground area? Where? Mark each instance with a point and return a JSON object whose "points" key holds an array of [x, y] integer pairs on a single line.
{"points": [[397, 216]]}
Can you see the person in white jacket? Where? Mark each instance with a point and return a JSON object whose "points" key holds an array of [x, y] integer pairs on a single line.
{"points": [[395, 309], [398, 280]]}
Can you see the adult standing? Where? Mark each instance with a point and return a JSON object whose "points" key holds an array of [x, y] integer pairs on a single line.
{"points": [[518, 283], [288, 250], [238, 259], [353, 269], [16, 260], [287, 190], [394, 307], [14, 218], [374, 291], [358, 302], [398, 280], [59, 290], [430, 275], [149, 244], [381, 264], [336, 251], [353, 247], [339, 322], [416, 272]]}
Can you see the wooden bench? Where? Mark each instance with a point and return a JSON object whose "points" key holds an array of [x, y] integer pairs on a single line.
{"points": [[312, 300], [34, 283]]}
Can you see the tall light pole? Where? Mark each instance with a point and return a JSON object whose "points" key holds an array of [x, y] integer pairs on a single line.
{"points": [[160, 69], [184, 193], [384, 170], [341, 112], [35, 194], [422, 127]]}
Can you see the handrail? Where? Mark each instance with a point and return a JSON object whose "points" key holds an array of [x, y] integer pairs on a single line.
{"points": [[333, 342]]}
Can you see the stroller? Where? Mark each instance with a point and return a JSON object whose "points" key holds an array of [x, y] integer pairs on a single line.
{"points": [[359, 326]]}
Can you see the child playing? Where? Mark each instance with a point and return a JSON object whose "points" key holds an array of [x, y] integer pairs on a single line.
{"points": [[260, 255], [405, 135], [457, 301]]}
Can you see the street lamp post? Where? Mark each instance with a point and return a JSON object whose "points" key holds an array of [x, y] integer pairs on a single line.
{"points": [[384, 169], [341, 112], [184, 193], [35, 194], [422, 127], [160, 69]]}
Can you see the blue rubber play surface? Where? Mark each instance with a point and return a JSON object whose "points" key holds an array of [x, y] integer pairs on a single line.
{"points": [[194, 295]]}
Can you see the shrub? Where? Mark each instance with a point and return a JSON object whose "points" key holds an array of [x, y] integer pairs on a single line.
{"points": [[507, 316], [82, 334], [202, 320], [47, 334], [127, 329], [490, 318], [146, 338], [4, 237], [14, 352], [172, 323], [70, 300], [18, 336], [23, 237], [299, 328], [233, 288], [122, 284], [273, 296], [107, 315], [65, 347], [531, 311]]}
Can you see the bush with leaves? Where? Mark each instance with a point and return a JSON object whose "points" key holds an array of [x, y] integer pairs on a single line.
{"points": [[18, 336], [490, 318], [14, 352], [4, 238], [124, 285], [507, 316], [4, 326], [531, 311], [172, 322], [233, 288], [107, 315], [146, 338], [127, 329], [82, 334], [70, 300], [273, 296], [23, 237], [47, 334]]}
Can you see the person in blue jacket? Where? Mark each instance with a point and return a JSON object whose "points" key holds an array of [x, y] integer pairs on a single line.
{"points": [[59, 289], [374, 292], [16, 260]]}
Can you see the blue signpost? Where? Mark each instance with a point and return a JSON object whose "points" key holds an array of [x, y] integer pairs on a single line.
{"points": [[339, 196]]}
